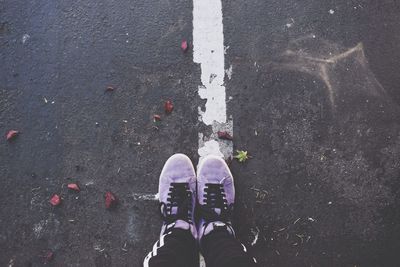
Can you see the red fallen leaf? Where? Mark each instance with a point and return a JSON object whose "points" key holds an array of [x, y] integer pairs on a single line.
{"points": [[55, 200], [184, 46], [11, 134], [111, 201], [74, 187], [224, 135], [48, 256], [110, 89], [156, 117], [168, 106]]}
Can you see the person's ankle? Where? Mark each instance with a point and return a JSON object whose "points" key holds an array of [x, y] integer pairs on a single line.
{"points": [[182, 225], [207, 228]]}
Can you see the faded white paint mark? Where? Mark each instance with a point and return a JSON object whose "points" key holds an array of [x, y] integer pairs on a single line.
{"points": [[131, 227], [98, 247], [226, 49], [25, 38], [229, 72], [144, 196], [48, 227], [38, 228], [209, 51], [202, 261], [36, 201], [323, 63], [11, 262], [256, 233], [89, 183], [290, 24], [311, 219]]}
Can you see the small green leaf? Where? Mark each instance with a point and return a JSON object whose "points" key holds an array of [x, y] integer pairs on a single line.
{"points": [[241, 155]]}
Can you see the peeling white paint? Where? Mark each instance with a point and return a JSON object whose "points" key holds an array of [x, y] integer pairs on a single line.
{"points": [[210, 147], [131, 227], [11, 262], [48, 227], [229, 72], [38, 228], [202, 261], [290, 24], [209, 51]]}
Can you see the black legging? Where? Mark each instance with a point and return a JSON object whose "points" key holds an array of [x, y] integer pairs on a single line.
{"points": [[179, 249]]}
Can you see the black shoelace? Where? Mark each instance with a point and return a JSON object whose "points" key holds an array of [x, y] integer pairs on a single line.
{"points": [[214, 201], [179, 204]]}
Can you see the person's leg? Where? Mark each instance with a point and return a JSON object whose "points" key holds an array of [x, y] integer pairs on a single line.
{"points": [[177, 245], [220, 248], [216, 196], [175, 248]]}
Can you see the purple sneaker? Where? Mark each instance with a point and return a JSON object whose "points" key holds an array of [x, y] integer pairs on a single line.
{"points": [[177, 194], [216, 195]]}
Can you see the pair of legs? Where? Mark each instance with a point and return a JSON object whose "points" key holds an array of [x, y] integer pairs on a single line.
{"points": [[211, 194]]}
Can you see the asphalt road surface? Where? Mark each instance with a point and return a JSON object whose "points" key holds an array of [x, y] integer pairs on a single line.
{"points": [[311, 89]]}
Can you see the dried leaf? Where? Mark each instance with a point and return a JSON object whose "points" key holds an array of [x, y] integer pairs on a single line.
{"points": [[224, 135], [48, 256], [241, 155], [55, 200], [168, 106], [111, 200], [184, 46], [156, 117], [11, 134], [74, 187]]}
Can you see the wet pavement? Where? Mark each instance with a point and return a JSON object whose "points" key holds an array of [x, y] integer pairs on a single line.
{"points": [[314, 99]]}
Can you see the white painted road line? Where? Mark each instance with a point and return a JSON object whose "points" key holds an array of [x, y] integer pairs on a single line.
{"points": [[209, 52]]}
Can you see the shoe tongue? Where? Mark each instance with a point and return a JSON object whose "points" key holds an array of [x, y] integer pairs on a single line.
{"points": [[174, 210], [217, 211]]}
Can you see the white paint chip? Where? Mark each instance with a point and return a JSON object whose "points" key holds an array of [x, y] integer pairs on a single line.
{"points": [[210, 148], [229, 72], [290, 24], [25, 38], [256, 233]]}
